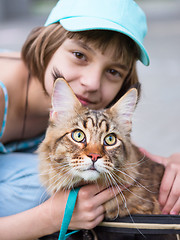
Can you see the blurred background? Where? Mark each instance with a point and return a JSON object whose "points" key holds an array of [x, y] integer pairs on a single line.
{"points": [[156, 124]]}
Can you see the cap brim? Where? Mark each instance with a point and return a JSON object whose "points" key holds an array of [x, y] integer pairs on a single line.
{"points": [[87, 23]]}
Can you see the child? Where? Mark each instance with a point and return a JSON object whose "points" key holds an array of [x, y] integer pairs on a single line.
{"points": [[94, 45]]}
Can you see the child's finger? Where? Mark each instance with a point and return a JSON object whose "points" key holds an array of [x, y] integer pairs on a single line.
{"points": [[153, 157]]}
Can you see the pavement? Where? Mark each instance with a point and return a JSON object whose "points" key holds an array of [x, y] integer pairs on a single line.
{"points": [[156, 123]]}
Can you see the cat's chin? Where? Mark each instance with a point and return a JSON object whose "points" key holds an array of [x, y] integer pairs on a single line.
{"points": [[89, 175]]}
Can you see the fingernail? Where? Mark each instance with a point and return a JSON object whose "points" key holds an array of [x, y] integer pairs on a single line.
{"points": [[173, 213]]}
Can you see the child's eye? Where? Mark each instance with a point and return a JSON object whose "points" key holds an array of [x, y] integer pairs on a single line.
{"points": [[78, 136], [110, 139], [79, 55], [114, 73]]}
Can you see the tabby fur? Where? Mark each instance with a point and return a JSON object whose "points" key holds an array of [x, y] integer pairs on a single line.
{"points": [[94, 146]]}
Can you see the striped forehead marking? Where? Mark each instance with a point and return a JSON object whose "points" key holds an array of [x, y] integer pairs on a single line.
{"points": [[89, 122], [96, 119], [104, 125]]}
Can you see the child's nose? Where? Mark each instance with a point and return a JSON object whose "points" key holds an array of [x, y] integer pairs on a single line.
{"points": [[92, 80]]}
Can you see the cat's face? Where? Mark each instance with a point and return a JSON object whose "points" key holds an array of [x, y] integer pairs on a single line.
{"points": [[86, 145]]}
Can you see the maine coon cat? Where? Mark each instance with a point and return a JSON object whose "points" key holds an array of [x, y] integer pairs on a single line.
{"points": [[83, 145]]}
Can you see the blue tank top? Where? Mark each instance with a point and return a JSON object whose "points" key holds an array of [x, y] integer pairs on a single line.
{"points": [[27, 145]]}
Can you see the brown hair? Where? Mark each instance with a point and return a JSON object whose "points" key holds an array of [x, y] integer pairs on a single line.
{"points": [[43, 42]]}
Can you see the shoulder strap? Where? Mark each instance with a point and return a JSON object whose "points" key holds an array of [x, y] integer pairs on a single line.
{"points": [[68, 214], [5, 108]]}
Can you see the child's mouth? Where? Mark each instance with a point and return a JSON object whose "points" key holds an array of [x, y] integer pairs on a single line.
{"points": [[83, 101]]}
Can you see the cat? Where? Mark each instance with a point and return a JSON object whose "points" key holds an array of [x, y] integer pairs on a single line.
{"points": [[94, 146]]}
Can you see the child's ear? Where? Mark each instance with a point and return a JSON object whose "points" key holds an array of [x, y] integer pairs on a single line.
{"points": [[63, 99], [125, 107]]}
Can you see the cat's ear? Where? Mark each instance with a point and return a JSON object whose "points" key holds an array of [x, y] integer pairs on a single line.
{"points": [[63, 99], [125, 107]]}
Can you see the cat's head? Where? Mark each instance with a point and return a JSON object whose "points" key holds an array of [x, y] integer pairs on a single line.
{"points": [[84, 145]]}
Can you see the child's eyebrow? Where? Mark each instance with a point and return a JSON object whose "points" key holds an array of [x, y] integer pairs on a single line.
{"points": [[119, 65], [83, 45]]}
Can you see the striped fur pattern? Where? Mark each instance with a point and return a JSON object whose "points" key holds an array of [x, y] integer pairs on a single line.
{"points": [[94, 146]]}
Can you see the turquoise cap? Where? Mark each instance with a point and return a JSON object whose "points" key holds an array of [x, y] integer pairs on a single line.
{"points": [[123, 16]]}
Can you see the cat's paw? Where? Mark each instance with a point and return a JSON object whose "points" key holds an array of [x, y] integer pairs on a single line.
{"points": [[111, 215], [112, 209]]}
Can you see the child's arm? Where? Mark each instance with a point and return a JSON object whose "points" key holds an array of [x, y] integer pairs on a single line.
{"points": [[169, 196], [46, 218], [30, 224]]}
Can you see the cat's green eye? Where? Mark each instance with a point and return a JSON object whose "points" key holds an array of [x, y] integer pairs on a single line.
{"points": [[78, 136], [110, 139]]}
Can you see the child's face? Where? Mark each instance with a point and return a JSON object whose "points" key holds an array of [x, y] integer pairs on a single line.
{"points": [[94, 77]]}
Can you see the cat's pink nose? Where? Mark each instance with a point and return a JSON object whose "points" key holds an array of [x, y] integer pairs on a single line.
{"points": [[94, 156]]}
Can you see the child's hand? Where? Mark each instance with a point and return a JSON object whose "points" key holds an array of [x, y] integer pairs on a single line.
{"points": [[89, 210], [169, 196]]}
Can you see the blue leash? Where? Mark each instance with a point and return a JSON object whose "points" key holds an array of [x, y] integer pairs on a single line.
{"points": [[68, 214]]}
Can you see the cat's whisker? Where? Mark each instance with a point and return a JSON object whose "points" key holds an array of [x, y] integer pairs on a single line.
{"points": [[134, 168], [114, 183], [125, 206], [138, 162], [49, 179], [60, 164], [135, 165], [107, 183], [112, 189], [110, 178], [121, 195], [68, 180], [61, 179], [121, 180], [127, 188], [52, 187], [57, 166], [128, 212], [134, 180], [107, 168], [115, 180], [117, 183], [51, 170]]}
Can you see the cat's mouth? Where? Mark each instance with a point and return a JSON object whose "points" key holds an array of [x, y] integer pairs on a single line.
{"points": [[90, 174], [93, 169]]}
